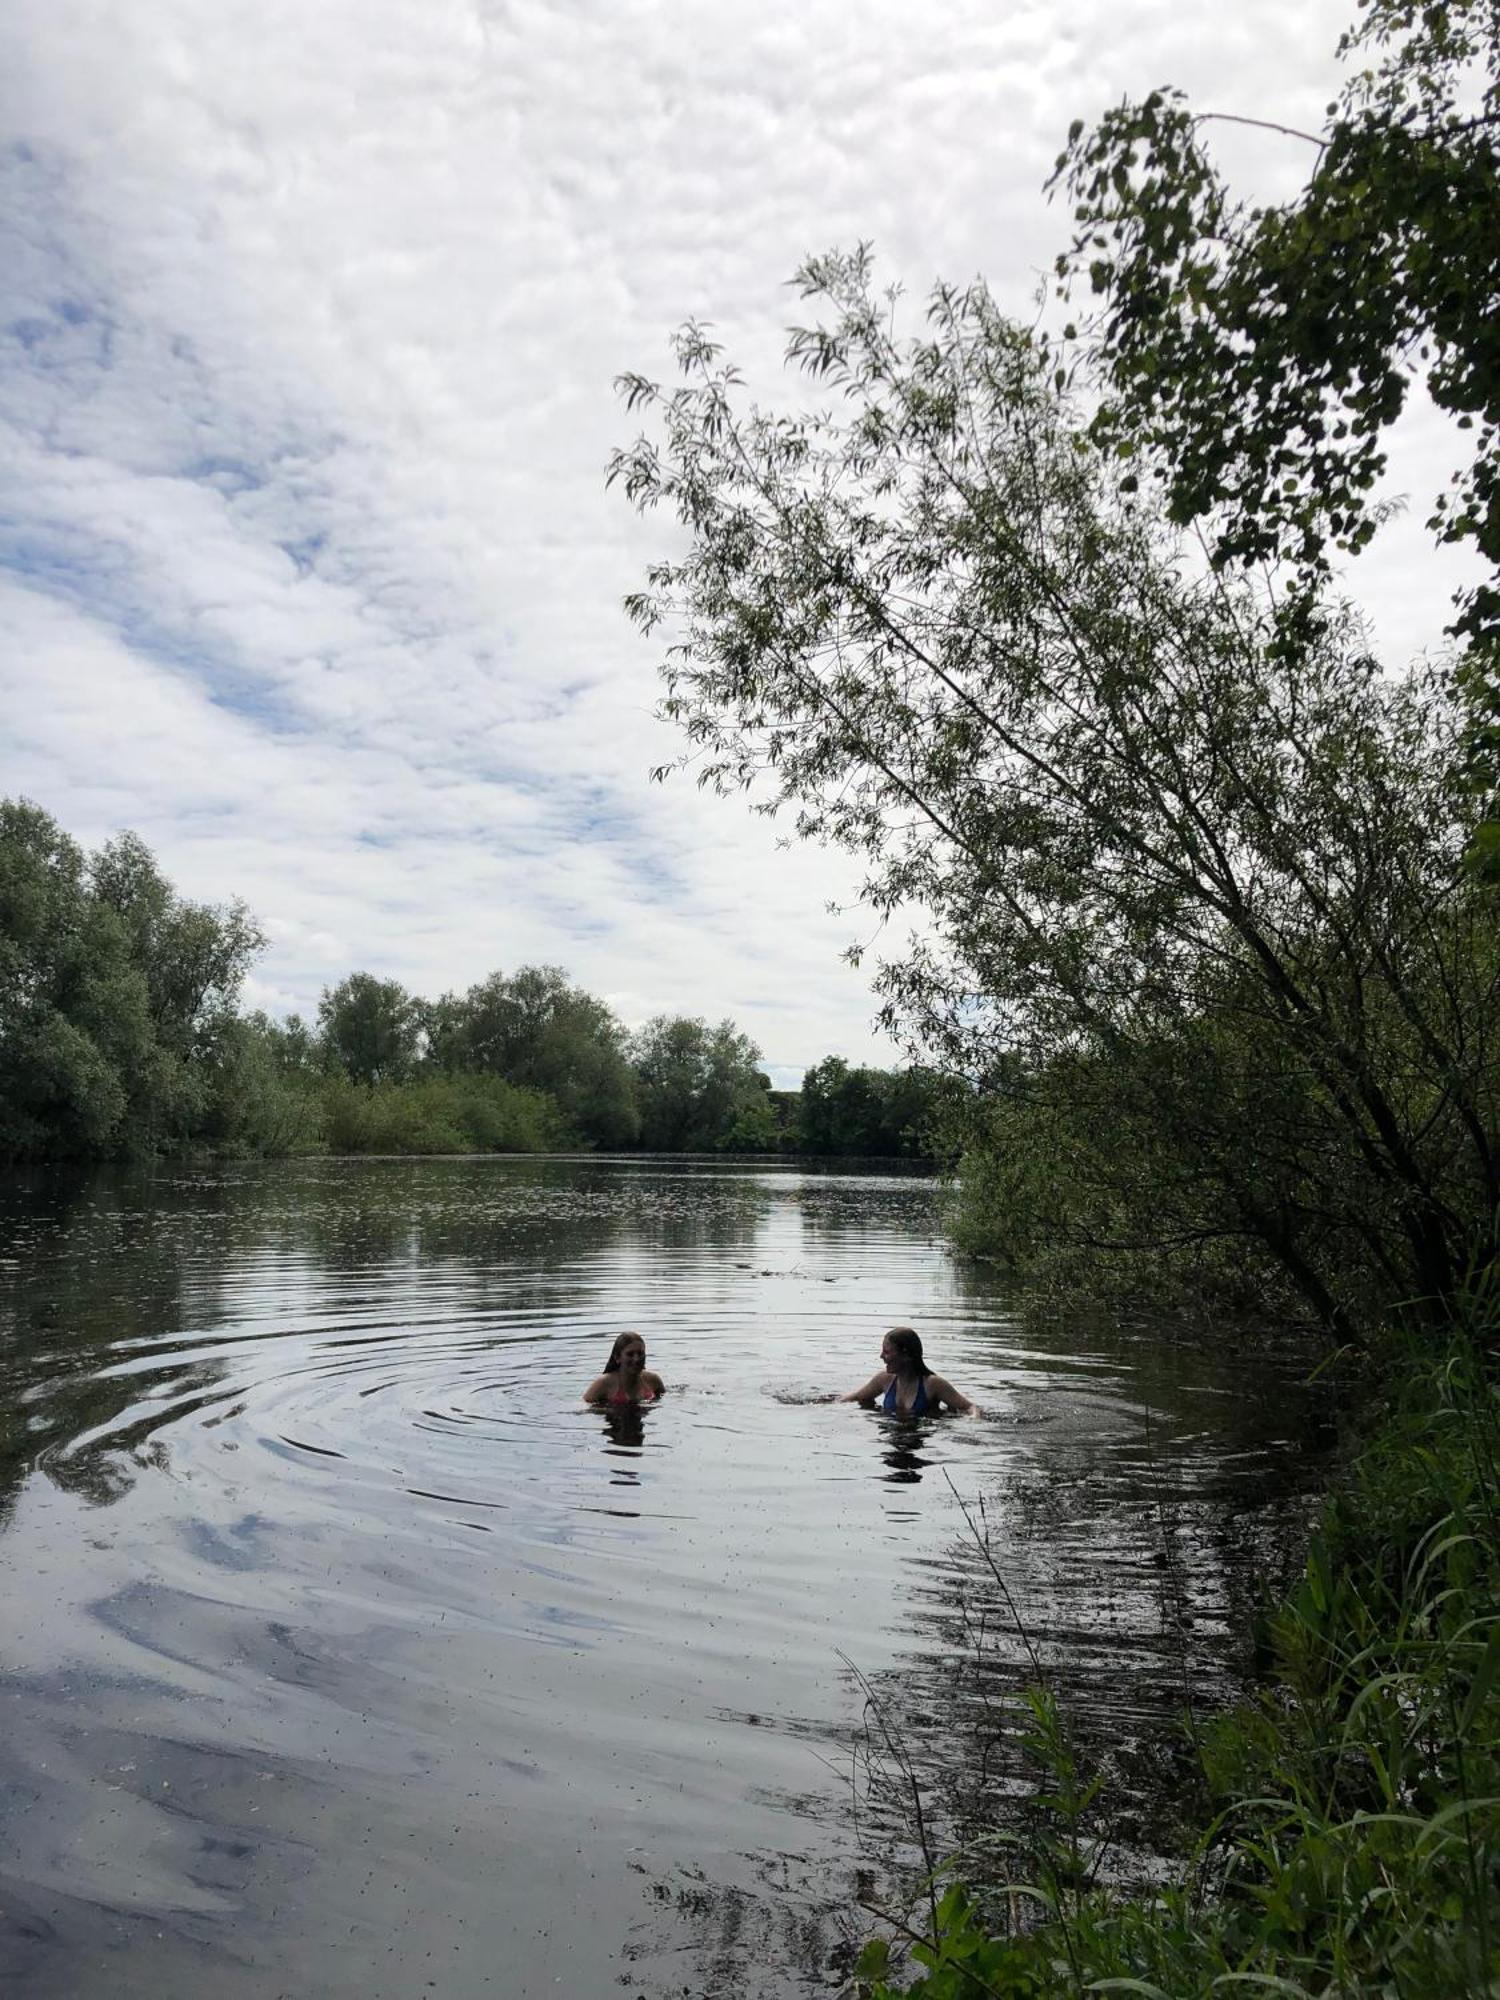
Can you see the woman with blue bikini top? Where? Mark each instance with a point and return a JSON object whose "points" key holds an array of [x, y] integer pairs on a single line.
{"points": [[906, 1386]]}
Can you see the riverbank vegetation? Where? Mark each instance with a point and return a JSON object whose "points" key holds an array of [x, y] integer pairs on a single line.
{"points": [[1046, 631], [1340, 1829], [121, 1035]]}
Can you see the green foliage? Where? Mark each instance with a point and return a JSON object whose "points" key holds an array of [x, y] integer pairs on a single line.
{"points": [[538, 1029], [1187, 1168], [459, 1114], [290, 1045], [116, 996], [1254, 358], [1203, 945], [255, 1101], [756, 1128], [699, 1087], [1354, 1846], [371, 1029], [891, 1114]]}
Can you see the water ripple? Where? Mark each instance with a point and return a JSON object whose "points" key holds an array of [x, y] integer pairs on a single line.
{"points": [[374, 1644]]}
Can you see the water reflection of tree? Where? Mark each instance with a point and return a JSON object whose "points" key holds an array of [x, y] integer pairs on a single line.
{"points": [[1132, 1605], [839, 1205], [96, 1266], [791, 1923]]}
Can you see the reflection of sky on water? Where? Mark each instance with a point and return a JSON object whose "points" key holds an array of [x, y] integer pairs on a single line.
{"points": [[326, 1596]]}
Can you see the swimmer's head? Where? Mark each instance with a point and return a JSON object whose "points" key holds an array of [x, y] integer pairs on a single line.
{"points": [[628, 1347], [901, 1351]]}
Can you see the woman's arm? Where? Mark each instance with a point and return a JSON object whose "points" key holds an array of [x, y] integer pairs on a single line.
{"points": [[873, 1390], [656, 1384], [598, 1390], [939, 1391]]}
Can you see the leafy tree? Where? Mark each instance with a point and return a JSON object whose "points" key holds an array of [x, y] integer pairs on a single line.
{"points": [[919, 1107], [443, 1027], [841, 1110], [870, 1112], [291, 1043], [786, 1106], [61, 962], [699, 1086], [119, 1032], [116, 996], [193, 957], [539, 1030], [261, 1091], [371, 1028], [1155, 834], [1256, 357], [756, 1127]]}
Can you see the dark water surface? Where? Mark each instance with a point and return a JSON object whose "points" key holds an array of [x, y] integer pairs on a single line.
{"points": [[342, 1653]]}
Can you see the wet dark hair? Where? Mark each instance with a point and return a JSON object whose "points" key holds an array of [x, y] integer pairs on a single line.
{"points": [[612, 1366], [908, 1344]]}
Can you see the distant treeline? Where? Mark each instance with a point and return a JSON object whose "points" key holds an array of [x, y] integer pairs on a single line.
{"points": [[121, 1034]]}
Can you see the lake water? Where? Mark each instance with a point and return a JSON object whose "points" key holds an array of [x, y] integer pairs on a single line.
{"points": [[343, 1653]]}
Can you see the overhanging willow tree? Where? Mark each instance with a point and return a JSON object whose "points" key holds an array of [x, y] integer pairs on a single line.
{"points": [[1170, 862]]}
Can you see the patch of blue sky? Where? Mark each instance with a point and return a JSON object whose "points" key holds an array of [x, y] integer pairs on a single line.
{"points": [[79, 369], [226, 475], [548, 791], [51, 304], [304, 551], [634, 834], [79, 380], [583, 920], [596, 815], [81, 374], [64, 333], [554, 704], [97, 578], [581, 817], [61, 561], [48, 358]]}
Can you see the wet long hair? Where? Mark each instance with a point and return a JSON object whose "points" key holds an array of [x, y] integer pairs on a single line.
{"points": [[908, 1345], [612, 1366]]}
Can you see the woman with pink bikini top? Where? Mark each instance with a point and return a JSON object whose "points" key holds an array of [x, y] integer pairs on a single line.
{"points": [[626, 1379]]}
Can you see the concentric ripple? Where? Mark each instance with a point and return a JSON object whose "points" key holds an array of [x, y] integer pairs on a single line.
{"points": [[347, 1652]]}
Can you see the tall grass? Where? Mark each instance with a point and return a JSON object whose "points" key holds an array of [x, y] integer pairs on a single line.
{"points": [[1352, 1835]]}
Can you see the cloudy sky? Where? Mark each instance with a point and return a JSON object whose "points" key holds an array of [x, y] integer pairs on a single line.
{"points": [[307, 569]]}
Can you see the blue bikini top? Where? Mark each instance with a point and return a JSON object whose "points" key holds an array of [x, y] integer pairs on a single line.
{"points": [[919, 1401]]}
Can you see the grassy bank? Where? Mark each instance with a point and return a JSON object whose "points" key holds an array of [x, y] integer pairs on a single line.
{"points": [[1348, 1837]]}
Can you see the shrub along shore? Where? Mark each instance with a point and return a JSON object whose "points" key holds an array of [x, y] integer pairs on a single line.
{"points": [[122, 1036], [1346, 1833]]}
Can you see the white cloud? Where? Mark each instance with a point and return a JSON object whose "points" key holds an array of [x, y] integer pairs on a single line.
{"points": [[314, 315]]}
